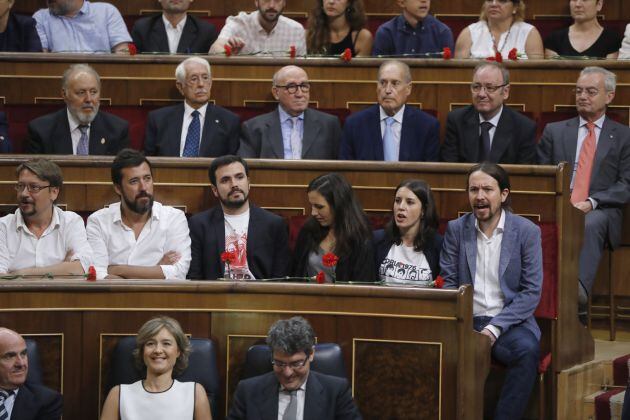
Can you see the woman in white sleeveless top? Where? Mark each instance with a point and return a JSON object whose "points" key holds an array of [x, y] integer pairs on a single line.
{"points": [[500, 29], [162, 349]]}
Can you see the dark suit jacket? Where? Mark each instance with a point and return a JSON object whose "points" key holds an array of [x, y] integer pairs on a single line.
{"points": [[149, 35], [164, 131], [36, 402], [267, 244], [419, 136], [5, 142], [50, 134], [326, 397], [261, 137], [520, 267], [514, 138], [610, 179], [21, 35], [383, 243]]}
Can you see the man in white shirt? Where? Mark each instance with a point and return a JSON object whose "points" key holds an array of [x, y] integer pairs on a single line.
{"points": [[264, 31], [138, 238], [256, 239], [500, 255], [292, 391], [40, 239], [194, 128]]}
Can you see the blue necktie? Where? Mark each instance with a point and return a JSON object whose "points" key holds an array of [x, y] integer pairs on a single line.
{"points": [[4, 395], [191, 147], [389, 147], [83, 146]]}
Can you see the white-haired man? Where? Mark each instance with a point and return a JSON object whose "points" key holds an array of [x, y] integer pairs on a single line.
{"points": [[193, 128]]}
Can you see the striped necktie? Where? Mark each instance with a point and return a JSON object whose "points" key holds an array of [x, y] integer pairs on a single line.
{"points": [[83, 148], [4, 395]]}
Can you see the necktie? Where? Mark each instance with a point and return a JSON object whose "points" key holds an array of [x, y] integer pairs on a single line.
{"points": [[4, 395], [389, 146], [582, 181], [291, 412], [83, 146], [191, 146], [296, 140], [484, 141]]}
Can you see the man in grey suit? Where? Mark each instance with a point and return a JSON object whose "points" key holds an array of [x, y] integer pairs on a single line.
{"points": [[601, 171], [292, 391], [293, 130]]}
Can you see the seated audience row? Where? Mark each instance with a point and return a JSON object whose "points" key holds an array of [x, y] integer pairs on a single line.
{"points": [[333, 27]]}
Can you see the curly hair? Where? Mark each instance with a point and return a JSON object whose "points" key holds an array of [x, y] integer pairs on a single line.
{"points": [[291, 336], [318, 37]]}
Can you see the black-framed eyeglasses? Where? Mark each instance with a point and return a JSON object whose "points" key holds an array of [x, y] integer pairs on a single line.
{"points": [[298, 364], [32, 188], [476, 87], [292, 87], [590, 91]]}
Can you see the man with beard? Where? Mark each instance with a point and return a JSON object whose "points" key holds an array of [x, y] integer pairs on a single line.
{"points": [[173, 31], [256, 238], [78, 129], [80, 26], [138, 238], [500, 255], [19, 398], [264, 31], [195, 127], [40, 238]]}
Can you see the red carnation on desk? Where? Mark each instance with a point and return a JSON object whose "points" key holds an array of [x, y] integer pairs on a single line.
{"points": [[320, 277], [438, 283], [513, 54], [292, 51], [446, 53], [133, 50], [346, 55], [330, 259], [228, 50], [91, 274]]}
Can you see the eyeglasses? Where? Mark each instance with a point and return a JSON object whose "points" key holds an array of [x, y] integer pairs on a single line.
{"points": [[476, 87], [292, 87], [298, 364], [590, 92], [32, 188], [194, 80]]}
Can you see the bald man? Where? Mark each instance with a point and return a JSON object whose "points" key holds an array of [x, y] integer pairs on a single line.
{"points": [[19, 399], [293, 130]]}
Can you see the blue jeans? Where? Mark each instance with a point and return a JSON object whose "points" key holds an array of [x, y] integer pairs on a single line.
{"points": [[519, 350]]}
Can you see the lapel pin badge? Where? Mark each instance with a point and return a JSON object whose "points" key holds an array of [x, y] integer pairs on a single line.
{"points": [[1, 138], [216, 121], [103, 140]]}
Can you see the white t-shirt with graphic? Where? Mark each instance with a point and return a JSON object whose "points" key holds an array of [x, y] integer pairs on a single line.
{"points": [[405, 266], [236, 242]]}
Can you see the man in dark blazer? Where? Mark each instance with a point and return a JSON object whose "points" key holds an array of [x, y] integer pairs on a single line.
{"points": [[283, 391], [391, 131], [5, 142], [608, 186], [256, 240], [194, 128], [17, 33], [316, 135], [500, 255], [32, 401], [186, 34], [487, 130], [80, 128]]}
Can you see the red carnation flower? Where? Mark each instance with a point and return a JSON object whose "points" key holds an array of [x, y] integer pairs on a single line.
{"points": [[330, 259], [320, 278], [513, 54], [228, 50], [446, 53], [132, 48], [227, 256], [498, 57], [439, 282], [91, 274], [292, 51], [347, 55]]}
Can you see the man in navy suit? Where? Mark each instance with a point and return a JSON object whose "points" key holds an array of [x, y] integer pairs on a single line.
{"points": [[500, 255], [391, 131], [257, 240], [79, 128], [173, 31], [194, 128], [17, 33], [5, 143], [292, 390], [19, 399]]}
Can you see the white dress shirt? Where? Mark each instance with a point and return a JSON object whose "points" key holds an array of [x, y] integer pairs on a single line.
{"points": [[174, 33], [113, 243], [75, 132], [284, 399], [188, 110], [19, 248], [494, 121], [396, 126], [10, 402], [488, 299], [582, 133]]}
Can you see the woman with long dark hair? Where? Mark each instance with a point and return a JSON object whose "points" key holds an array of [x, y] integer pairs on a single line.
{"points": [[337, 225], [335, 25], [408, 249]]}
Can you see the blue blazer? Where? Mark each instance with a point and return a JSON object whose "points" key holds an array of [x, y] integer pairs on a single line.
{"points": [[5, 142], [419, 137], [21, 35], [520, 266], [36, 402]]}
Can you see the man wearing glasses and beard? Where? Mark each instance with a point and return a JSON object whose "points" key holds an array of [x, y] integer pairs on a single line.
{"points": [[138, 238]]}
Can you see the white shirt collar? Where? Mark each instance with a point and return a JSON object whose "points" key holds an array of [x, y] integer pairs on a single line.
{"points": [[116, 209], [21, 224], [494, 120], [398, 116], [73, 122], [500, 226], [179, 27], [188, 110], [599, 123], [284, 115]]}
